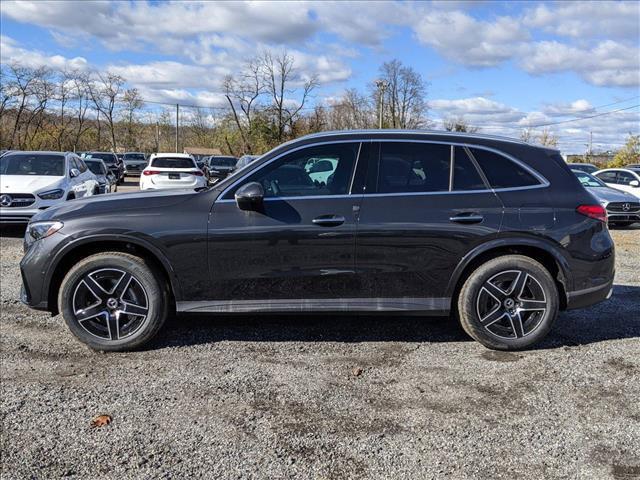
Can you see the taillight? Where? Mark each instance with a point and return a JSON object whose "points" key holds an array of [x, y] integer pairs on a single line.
{"points": [[150, 172], [596, 212], [197, 173]]}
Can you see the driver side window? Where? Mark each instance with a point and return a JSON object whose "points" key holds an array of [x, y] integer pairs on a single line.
{"points": [[321, 170]]}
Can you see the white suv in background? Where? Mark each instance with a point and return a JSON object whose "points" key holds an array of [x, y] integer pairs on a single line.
{"points": [[171, 170], [625, 179], [33, 181]]}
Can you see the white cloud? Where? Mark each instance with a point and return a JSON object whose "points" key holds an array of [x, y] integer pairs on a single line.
{"points": [[609, 63], [587, 19], [475, 110], [13, 52], [466, 40]]}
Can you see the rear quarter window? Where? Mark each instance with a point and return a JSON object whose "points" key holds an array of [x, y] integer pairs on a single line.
{"points": [[502, 172]]}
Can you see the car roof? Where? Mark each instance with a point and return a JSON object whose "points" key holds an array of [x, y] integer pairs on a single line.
{"points": [[452, 136], [172, 155]]}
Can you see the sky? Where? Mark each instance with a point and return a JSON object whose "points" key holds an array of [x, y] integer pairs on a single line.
{"points": [[502, 66]]}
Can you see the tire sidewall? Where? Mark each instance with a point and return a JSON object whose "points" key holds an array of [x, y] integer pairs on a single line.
{"points": [[156, 298], [471, 289]]}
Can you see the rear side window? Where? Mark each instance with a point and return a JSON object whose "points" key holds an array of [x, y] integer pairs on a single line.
{"points": [[607, 177], [465, 174], [414, 167], [502, 172], [172, 162]]}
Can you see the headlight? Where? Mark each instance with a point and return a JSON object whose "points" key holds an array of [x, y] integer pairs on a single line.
{"points": [[51, 194], [39, 230]]}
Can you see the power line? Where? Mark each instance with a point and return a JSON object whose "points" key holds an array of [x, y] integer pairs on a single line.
{"points": [[583, 118]]}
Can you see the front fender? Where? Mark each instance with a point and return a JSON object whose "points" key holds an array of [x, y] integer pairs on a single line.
{"points": [[112, 237]]}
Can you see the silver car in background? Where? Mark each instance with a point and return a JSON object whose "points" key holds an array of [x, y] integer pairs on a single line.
{"points": [[622, 208]]}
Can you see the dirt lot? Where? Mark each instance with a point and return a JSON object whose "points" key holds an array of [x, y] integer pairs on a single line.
{"points": [[324, 397]]}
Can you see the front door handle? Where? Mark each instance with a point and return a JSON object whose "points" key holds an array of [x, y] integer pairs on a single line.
{"points": [[328, 220], [466, 218]]}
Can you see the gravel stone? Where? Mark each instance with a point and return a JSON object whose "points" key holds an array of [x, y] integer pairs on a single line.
{"points": [[277, 397]]}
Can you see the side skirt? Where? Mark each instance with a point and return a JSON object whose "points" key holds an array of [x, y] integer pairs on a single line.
{"points": [[433, 306]]}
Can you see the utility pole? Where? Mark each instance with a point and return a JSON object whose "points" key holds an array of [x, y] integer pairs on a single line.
{"points": [[590, 143], [382, 86], [157, 137], [177, 125]]}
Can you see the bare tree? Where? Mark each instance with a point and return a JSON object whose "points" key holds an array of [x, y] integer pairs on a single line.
{"points": [[405, 103], [131, 103], [22, 87], [63, 94], [547, 138], [526, 135], [352, 111], [280, 77], [245, 93], [105, 93], [81, 98], [459, 125]]}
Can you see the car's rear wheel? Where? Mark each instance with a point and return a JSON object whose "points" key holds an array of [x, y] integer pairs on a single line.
{"points": [[508, 303], [113, 301]]}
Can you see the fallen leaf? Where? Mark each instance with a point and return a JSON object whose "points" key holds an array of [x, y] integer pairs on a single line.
{"points": [[357, 372], [100, 421]]}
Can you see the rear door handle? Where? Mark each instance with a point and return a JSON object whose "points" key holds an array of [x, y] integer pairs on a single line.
{"points": [[466, 218], [328, 220]]}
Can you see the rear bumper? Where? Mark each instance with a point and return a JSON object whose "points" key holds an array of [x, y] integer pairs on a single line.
{"points": [[589, 296]]}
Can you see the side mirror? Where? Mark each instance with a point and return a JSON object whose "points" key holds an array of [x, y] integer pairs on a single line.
{"points": [[634, 183], [250, 196], [74, 172]]}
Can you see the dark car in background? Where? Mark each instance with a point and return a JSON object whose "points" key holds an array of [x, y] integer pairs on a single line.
{"points": [[112, 162], [583, 167], [106, 179], [134, 163], [495, 231], [218, 167]]}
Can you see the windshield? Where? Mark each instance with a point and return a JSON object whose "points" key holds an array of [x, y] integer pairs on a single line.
{"points": [[32, 164], [172, 162], [224, 161], [588, 180], [135, 156], [107, 157], [95, 167]]}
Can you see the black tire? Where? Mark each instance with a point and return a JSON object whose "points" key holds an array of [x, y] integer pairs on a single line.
{"points": [[524, 322], [145, 289]]}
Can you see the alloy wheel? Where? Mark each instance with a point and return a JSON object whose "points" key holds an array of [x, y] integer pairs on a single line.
{"points": [[110, 304], [511, 304]]}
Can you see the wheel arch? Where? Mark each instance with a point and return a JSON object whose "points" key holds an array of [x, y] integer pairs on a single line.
{"points": [[82, 248], [536, 249]]}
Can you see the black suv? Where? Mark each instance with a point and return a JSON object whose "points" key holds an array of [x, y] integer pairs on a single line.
{"points": [[495, 231], [111, 160]]}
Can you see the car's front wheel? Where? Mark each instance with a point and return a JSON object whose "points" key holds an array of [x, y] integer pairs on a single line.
{"points": [[508, 303], [113, 301]]}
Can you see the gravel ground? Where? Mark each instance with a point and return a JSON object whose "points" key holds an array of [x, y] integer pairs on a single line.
{"points": [[324, 397]]}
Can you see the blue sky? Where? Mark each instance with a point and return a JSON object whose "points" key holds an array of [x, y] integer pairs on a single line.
{"points": [[499, 65]]}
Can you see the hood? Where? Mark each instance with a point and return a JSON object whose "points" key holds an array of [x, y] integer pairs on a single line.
{"points": [[115, 203], [607, 195], [27, 183]]}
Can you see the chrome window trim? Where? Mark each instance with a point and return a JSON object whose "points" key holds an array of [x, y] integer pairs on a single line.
{"points": [[543, 181]]}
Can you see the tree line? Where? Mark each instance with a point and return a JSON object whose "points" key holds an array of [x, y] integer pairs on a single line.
{"points": [[267, 101]]}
